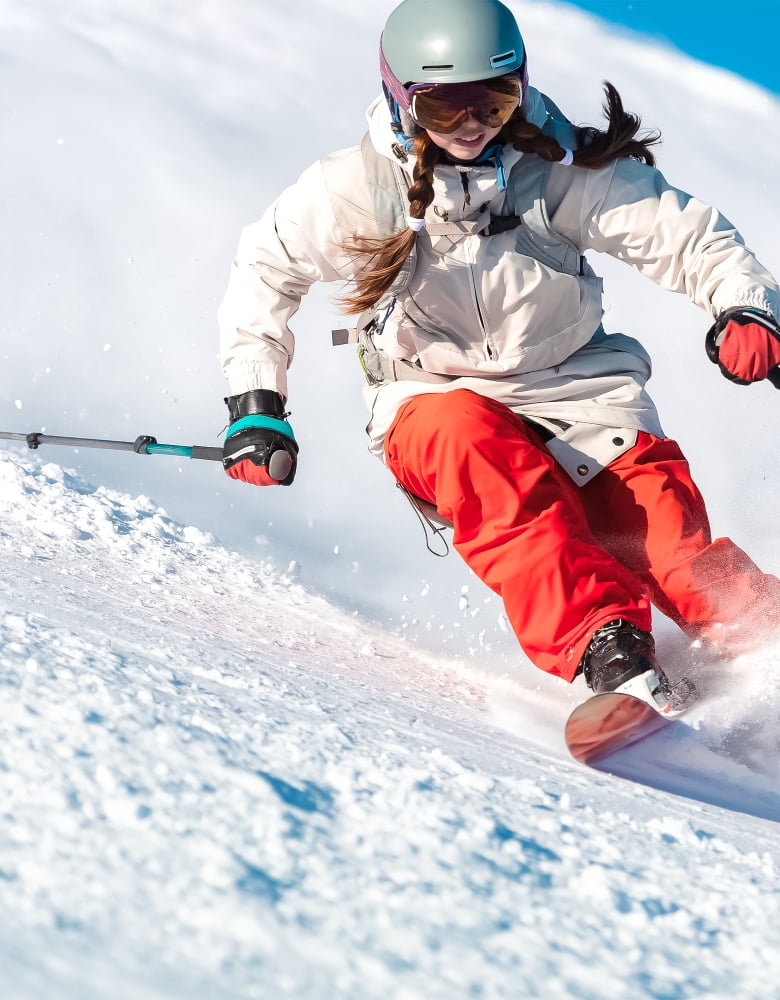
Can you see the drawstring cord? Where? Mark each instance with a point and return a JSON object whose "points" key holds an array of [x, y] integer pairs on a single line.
{"points": [[427, 525]]}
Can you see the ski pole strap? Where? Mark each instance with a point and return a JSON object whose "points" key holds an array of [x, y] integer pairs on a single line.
{"points": [[186, 451], [145, 444]]}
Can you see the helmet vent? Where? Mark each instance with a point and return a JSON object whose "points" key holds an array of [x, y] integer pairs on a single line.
{"points": [[503, 59], [429, 69]]}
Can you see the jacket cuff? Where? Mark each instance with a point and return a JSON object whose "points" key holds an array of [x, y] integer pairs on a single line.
{"points": [[244, 376]]}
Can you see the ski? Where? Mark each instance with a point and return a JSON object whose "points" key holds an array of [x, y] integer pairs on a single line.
{"points": [[606, 723]]}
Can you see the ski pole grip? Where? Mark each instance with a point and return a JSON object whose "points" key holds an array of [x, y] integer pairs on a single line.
{"points": [[207, 454]]}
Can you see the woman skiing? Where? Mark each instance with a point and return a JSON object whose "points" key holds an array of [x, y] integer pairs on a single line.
{"points": [[460, 225]]}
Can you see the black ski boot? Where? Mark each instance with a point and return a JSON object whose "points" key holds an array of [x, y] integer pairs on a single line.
{"points": [[621, 657]]}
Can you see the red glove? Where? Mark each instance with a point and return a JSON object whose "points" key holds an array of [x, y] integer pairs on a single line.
{"points": [[258, 475], [745, 343]]}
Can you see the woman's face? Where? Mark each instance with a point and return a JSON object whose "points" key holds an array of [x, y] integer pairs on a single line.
{"points": [[467, 142]]}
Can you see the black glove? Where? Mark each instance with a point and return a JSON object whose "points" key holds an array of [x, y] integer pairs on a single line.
{"points": [[260, 447]]}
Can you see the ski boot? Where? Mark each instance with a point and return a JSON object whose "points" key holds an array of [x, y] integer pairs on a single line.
{"points": [[621, 658]]}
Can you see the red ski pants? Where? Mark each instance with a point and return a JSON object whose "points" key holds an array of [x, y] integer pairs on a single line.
{"points": [[566, 559]]}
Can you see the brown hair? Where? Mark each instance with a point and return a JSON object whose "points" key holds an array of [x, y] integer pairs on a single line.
{"points": [[381, 258]]}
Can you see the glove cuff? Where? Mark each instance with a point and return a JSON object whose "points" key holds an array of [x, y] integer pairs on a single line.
{"points": [[261, 420], [257, 401]]}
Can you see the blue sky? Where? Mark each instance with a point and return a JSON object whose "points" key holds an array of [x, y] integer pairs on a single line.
{"points": [[740, 35]]}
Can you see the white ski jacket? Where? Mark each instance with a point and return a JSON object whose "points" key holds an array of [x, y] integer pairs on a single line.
{"points": [[500, 316]]}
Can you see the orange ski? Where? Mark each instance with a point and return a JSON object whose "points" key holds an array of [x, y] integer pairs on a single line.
{"points": [[606, 723]]}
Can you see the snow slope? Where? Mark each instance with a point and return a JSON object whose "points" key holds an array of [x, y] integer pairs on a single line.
{"points": [[214, 784]]}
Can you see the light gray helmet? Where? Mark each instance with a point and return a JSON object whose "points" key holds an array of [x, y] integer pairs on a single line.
{"points": [[448, 41]]}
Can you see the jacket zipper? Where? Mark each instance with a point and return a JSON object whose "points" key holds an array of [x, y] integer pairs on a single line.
{"points": [[490, 351]]}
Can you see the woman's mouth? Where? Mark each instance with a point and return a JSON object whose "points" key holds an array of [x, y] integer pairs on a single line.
{"points": [[470, 143]]}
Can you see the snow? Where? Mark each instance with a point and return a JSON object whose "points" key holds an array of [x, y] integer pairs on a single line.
{"points": [[215, 784], [260, 744]]}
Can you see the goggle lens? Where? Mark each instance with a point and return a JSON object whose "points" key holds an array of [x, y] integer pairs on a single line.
{"points": [[444, 107]]}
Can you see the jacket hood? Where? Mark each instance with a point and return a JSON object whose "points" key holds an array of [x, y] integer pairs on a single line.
{"points": [[380, 127]]}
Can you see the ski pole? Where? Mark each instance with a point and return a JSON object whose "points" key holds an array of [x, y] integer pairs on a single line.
{"points": [[144, 444]]}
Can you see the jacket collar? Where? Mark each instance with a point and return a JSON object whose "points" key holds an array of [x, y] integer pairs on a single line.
{"points": [[486, 176]]}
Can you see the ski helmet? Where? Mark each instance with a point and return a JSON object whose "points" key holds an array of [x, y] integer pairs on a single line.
{"points": [[448, 41]]}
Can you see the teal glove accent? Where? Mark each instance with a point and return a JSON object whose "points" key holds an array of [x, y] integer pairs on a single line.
{"points": [[260, 420]]}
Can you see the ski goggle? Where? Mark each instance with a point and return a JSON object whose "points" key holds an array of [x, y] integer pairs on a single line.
{"points": [[443, 107]]}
